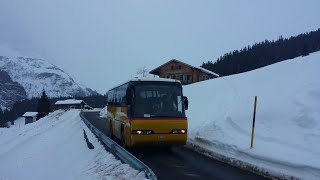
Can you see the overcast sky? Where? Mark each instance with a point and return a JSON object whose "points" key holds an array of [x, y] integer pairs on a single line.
{"points": [[102, 43]]}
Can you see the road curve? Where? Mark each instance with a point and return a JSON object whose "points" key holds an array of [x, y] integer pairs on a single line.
{"points": [[179, 162]]}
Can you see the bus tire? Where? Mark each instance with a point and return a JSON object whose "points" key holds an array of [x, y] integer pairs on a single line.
{"points": [[110, 131], [166, 148], [123, 140]]}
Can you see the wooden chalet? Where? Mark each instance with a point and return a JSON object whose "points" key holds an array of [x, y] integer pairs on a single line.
{"points": [[186, 73], [70, 104]]}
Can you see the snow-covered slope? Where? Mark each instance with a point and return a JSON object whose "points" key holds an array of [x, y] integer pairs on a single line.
{"points": [[37, 74], [54, 148], [287, 131]]}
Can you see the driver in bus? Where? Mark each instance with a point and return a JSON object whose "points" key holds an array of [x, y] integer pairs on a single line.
{"points": [[169, 103]]}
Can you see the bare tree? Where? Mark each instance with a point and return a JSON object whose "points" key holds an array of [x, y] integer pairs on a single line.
{"points": [[143, 71]]}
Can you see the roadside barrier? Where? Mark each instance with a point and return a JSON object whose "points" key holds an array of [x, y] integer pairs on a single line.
{"points": [[120, 152]]}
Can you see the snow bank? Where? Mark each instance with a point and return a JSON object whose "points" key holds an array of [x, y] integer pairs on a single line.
{"points": [[103, 112], [287, 131], [18, 123], [54, 148]]}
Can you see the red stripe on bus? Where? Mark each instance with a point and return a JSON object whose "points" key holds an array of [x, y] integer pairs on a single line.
{"points": [[153, 119]]}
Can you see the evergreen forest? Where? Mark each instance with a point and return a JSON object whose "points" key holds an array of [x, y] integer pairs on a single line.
{"points": [[265, 53]]}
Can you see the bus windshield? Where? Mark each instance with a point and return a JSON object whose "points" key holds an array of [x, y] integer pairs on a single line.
{"points": [[158, 101]]}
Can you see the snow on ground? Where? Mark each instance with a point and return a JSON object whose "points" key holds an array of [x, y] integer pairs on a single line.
{"points": [[287, 130], [103, 112], [54, 148]]}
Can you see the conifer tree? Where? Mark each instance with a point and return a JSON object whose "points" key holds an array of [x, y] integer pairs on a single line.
{"points": [[305, 50], [1, 117], [5, 116], [43, 105]]}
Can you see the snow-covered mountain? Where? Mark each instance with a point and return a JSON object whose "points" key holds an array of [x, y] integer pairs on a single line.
{"points": [[34, 75], [10, 91]]}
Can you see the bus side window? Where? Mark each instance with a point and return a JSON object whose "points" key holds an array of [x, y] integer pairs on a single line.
{"points": [[110, 97], [129, 96], [107, 95]]}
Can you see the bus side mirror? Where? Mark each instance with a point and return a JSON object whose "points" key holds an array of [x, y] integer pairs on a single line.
{"points": [[186, 102]]}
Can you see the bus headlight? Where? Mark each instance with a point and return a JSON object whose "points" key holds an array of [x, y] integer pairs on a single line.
{"points": [[142, 132], [179, 131]]}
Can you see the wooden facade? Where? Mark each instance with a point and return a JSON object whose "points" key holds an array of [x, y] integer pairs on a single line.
{"points": [[186, 73]]}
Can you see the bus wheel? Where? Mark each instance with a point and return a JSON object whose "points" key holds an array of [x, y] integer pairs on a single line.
{"points": [[123, 140], [110, 131], [166, 148]]}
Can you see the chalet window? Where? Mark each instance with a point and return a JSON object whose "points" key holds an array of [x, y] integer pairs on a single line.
{"points": [[175, 67], [181, 77], [174, 76], [188, 77], [184, 77]]}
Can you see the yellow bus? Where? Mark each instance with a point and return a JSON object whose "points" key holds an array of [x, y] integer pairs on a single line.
{"points": [[148, 112]]}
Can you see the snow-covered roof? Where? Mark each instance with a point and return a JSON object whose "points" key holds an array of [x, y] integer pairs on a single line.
{"points": [[207, 71], [69, 101], [30, 114], [200, 68]]}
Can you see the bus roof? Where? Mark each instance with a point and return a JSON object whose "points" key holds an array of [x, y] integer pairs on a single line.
{"points": [[155, 79], [148, 79]]}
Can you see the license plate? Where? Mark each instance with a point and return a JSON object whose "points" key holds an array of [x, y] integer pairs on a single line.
{"points": [[161, 137]]}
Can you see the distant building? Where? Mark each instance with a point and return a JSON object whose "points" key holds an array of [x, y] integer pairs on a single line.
{"points": [[30, 117], [184, 72], [70, 104]]}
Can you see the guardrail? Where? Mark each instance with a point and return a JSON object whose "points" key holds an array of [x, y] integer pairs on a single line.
{"points": [[120, 152]]}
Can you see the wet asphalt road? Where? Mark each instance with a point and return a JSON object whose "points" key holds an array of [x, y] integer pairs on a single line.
{"points": [[179, 162]]}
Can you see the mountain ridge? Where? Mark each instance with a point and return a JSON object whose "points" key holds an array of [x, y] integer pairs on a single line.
{"points": [[35, 75]]}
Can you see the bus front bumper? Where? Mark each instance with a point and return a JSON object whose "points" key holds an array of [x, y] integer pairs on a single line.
{"points": [[158, 140]]}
